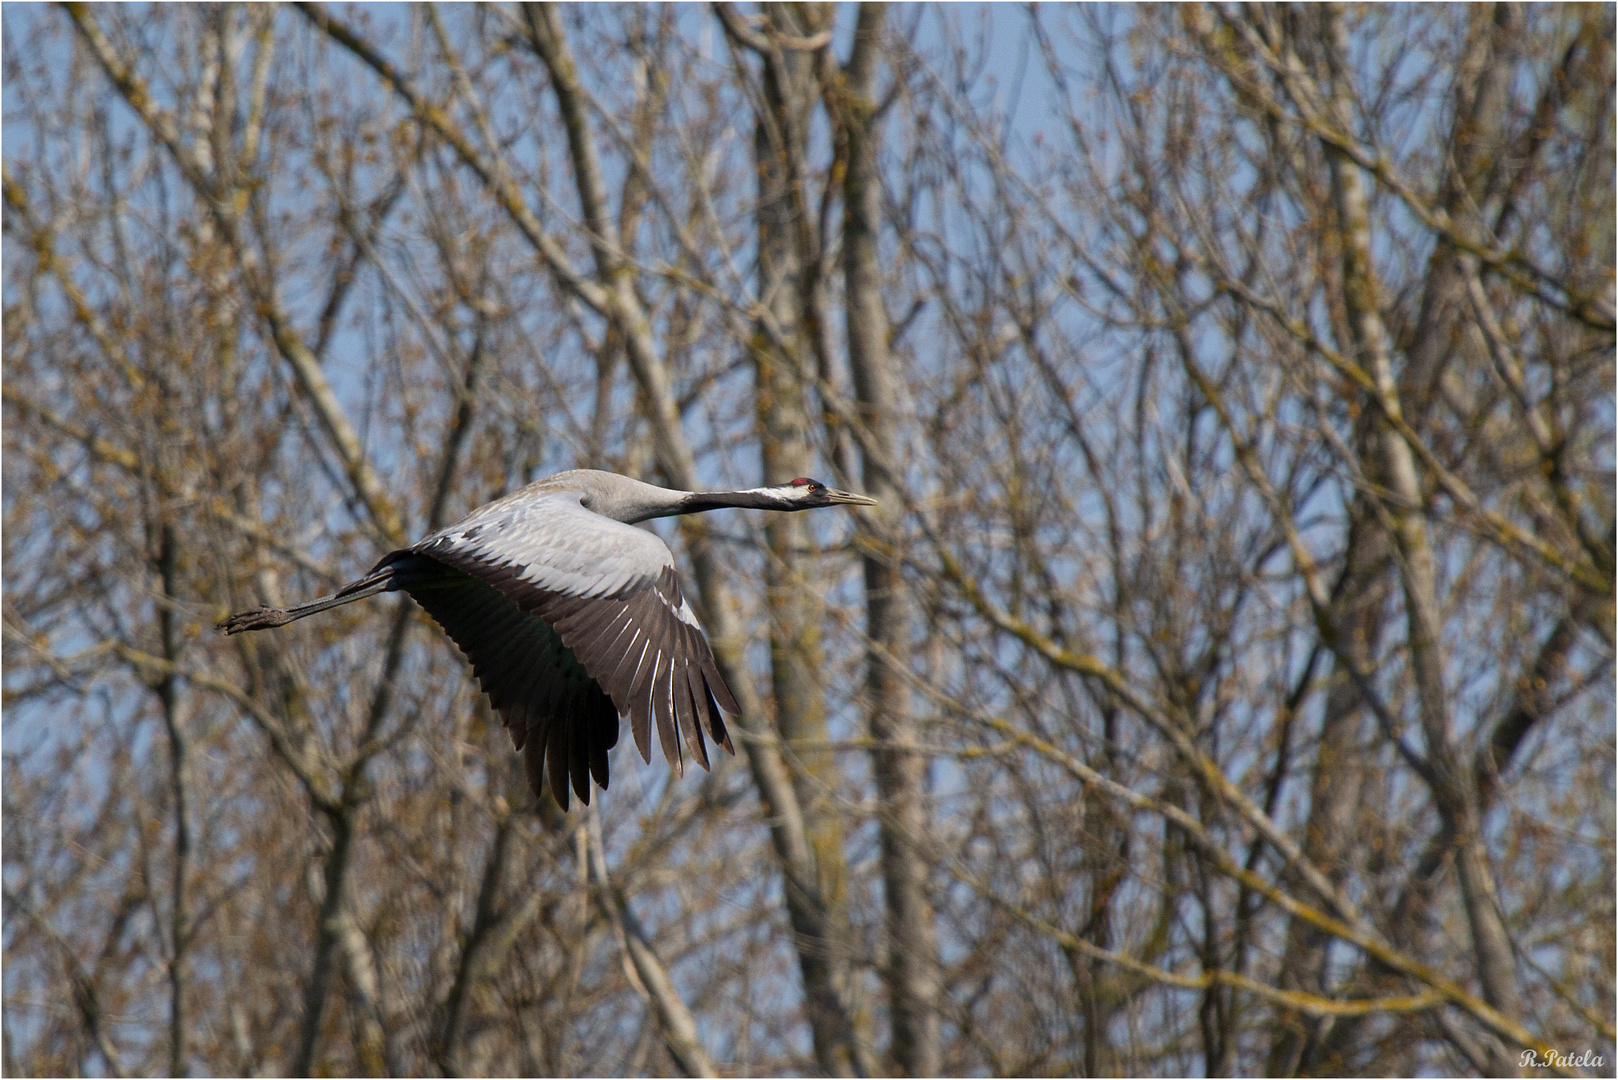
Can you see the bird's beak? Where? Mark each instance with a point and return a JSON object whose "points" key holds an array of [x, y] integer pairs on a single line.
{"points": [[849, 498]]}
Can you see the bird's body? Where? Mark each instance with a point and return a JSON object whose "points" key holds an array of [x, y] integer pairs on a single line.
{"points": [[572, 617]]}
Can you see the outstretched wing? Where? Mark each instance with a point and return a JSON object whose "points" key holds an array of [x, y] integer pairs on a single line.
{"points": [[562, 602]]}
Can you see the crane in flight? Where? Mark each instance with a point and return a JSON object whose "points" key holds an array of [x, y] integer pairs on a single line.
{"points": [[573, 618]]}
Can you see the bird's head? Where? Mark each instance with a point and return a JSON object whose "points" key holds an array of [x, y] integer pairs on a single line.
{"points": [[804, 494]]}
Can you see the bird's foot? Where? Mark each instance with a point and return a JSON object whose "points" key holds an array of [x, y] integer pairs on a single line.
{"points": [[262, 618]]}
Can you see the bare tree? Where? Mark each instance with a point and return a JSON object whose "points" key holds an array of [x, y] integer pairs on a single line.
{"points": [[1223, 684]]}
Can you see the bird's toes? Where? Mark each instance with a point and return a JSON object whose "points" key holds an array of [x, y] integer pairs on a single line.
{"points": [[256, 619]]}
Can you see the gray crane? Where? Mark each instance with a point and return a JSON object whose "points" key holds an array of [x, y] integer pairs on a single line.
{"points": [[572, 617]]}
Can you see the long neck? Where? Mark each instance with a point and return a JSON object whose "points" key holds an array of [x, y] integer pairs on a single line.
{"points": [[697, 502]]}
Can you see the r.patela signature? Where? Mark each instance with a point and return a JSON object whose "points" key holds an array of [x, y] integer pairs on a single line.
{"points": [[1555, 1059]]}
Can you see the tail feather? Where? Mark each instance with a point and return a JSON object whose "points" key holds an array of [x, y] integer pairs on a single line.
{"points": [[378, 580]]}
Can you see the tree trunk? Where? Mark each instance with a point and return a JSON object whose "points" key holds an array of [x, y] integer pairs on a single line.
{"points": [[1454, 792], [786, 263], [911, 973], [1358, 612]]}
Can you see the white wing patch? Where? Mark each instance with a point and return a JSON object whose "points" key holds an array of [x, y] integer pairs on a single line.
{"points": [[681, 610]]}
